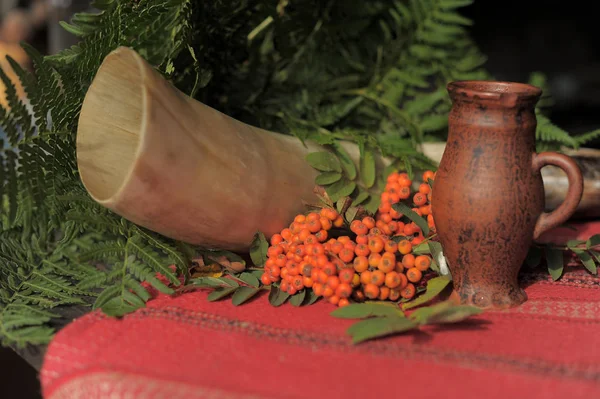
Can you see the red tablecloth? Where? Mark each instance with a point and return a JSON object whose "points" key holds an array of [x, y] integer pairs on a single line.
{"points": [[187, 347]]}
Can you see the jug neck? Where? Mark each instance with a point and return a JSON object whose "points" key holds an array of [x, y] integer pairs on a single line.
{"points": [[504, 96]]}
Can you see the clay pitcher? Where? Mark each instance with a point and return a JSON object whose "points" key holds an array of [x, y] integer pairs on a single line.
{"points": [[488, 195]]}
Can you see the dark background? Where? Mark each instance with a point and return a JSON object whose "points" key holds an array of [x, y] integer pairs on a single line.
{"points": [[557, 38]]}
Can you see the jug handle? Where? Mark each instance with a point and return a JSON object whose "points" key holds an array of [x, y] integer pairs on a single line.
{"points": [[565, 210]]}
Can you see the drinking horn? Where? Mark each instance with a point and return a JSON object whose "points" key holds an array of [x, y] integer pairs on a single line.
{"points": [[171, 164]]}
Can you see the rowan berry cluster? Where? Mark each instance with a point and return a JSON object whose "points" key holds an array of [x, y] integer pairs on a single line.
{"points": [[369, 259]]}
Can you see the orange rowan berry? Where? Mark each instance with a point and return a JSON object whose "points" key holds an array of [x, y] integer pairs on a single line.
{"points": [[327, 291], [365, 277], [337, 247], [410, 229], [265, 279], [283, 273], [376, 244], [408, 292], [371, 291], [304, 233], [325, 223], [276, 239], [417, 211], [339, 221], [384, 293], [296, 227], [355, 280], [281, 260], [428, 175], [274, 279], [377, 277], [384, 207], [414, 275], [358, 228], [392, 279], [430, 221], [391, 246], [334, 299], [362, 250], [343, 302], [399, 267], [329, 213], [362, 239], [312, 216], [422, 262], [344, 239], [343, 290], [392, 177], [297, 283], [322, 277], [275, 270], [296, 239], [404, 180], [425, 210], [333, 282], [375, 231], [408, 261], [361, 263], [350, 245], [386, 230], [286, 234], [385, 218], [293, 269], [395, 214], [300, 219], [321, 235], [394, 294], [329, 269], [291, 290], [393, 226], [318, 289], [307, 282], [316, 250], [369, 222], [404, 247], [374, 259], [404, 192], [314, 226], [321, 260], [346, 255], [283, 286], [314, 274], [346, 275], [387, 262], [394, 197], [272, 252], [424, 188]]}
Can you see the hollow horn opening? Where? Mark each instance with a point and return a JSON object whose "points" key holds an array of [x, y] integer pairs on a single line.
{"points": [[111, 125]]}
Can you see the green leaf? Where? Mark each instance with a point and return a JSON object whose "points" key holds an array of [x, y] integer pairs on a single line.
{"points": [[298, 298], [555, 260], [444, 312], [249, 279], [258, 249], [593, 241], [596, 255], [409, 213], [340, 189], [534, 257], [346, 162], [243, 294], [573, 244], [372, 204], [367, 168], [434, 123], [327, 178], [310, 298], [451, 18], [451, 4], [379, 327], [435, 286], [364, 310], [277, 297], [587, 260], [361, 197], [324, 161], [421, 249], [220, 293]]}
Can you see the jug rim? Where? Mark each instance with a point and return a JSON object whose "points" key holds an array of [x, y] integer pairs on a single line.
{"points": [[493, 89]]}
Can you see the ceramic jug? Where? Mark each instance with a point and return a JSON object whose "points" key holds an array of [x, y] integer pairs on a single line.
{"points": [[488, 195]]}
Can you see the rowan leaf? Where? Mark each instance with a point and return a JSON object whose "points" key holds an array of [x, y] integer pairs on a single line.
{"points": [[444, 312], [347, 163], [249, 279], [593, 241], [555, 261], [379, 327], [587, 260], [258, 249], [220, 293], [435, 287], [277, 297], [326, 178], [365, 310], [324, 161], [298, 298], [243, 294], [367, 168]]}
